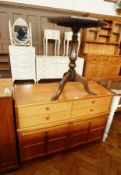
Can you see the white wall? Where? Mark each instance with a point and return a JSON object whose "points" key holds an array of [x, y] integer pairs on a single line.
{"points": [[94, 6]]}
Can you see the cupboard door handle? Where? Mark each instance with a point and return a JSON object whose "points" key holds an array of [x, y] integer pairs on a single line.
{"points": [[47, 108], [47, 118]]}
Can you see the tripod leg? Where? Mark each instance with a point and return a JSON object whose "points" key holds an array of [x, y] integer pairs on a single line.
{"points": [[84, 82], [61, 86]]}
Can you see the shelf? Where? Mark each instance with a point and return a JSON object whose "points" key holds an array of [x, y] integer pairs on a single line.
{"points": [[4, 68], [97, 42], [102, 35], [3, 52], [4, 60], [93, 30], [116, 33], [106, 28]]}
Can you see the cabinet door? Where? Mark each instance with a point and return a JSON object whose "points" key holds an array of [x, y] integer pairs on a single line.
{"points": [[32, 144], [38, 143], [96, 128], [87, 131], [8, 157], [78, 133], [57, 138]]}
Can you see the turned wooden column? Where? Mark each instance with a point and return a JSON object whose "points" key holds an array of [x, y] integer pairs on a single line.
{"points": [[75, 23]]}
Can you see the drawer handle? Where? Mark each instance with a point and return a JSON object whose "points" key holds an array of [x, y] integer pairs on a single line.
{"points": [[47, 108], [93, 101], [91, 110], [47, 118]]}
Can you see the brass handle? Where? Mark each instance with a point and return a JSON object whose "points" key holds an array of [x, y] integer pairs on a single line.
{"points": [[47, 108], [47, 118]]}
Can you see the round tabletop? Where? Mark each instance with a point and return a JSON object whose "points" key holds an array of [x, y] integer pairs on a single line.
{"points": [[77, 21]]}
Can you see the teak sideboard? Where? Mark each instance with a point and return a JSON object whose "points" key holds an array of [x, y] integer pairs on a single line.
{"points": [[45, 126]]}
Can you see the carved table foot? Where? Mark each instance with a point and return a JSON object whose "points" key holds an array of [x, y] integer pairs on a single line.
{"points": [[84, 82]]}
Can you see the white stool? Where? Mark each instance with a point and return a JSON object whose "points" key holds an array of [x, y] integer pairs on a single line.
{"points": [[52, 35], [114, 105], [67, 39]]}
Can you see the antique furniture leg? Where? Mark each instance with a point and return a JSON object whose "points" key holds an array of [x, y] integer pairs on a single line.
{"points": [[61, 85], [85, 83]]}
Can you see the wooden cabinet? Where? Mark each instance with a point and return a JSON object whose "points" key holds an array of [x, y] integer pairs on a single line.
{"points": [[101, 50], [4, 64], [8, 154], [102, 65], [103, 40], [46, 126]]}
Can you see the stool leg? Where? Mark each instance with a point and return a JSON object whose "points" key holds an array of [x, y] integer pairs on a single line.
{"points": [[64, 48], [55, 48], [67, 48], [46, 47], [58, 47]]}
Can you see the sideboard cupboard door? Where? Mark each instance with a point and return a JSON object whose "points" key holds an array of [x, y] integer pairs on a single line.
{"points": [[96, 128], [32, 144], [57, 138], [79, 133], [8, 155], [86, 131]]}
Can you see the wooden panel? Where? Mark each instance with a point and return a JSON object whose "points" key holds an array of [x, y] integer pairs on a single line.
{"points": [[57, 138], [4, 33], [96, 128], [8, 157], [79, 133], [107, 65], [31, 145]]}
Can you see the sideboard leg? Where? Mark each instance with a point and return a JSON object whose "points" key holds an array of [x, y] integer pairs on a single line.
{"points": [[114, 106]]}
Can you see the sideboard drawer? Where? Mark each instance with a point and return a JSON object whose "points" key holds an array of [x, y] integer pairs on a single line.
{"points": [[90, 106], [81, 112], [42, 114], [92, 102]]}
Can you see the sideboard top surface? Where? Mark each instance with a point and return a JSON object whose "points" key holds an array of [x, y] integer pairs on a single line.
{"points": [[5, 87], [41, 93]]}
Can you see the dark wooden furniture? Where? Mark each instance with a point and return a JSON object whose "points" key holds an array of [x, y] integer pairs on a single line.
{"points": [[75, 23], [5, 70], [46, 126], [8, 154]]}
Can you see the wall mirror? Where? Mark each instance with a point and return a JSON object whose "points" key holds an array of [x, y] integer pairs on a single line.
{"points": [[20, 33]]}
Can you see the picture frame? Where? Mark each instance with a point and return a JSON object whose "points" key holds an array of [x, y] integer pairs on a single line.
{"points": [[114, 1]]}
